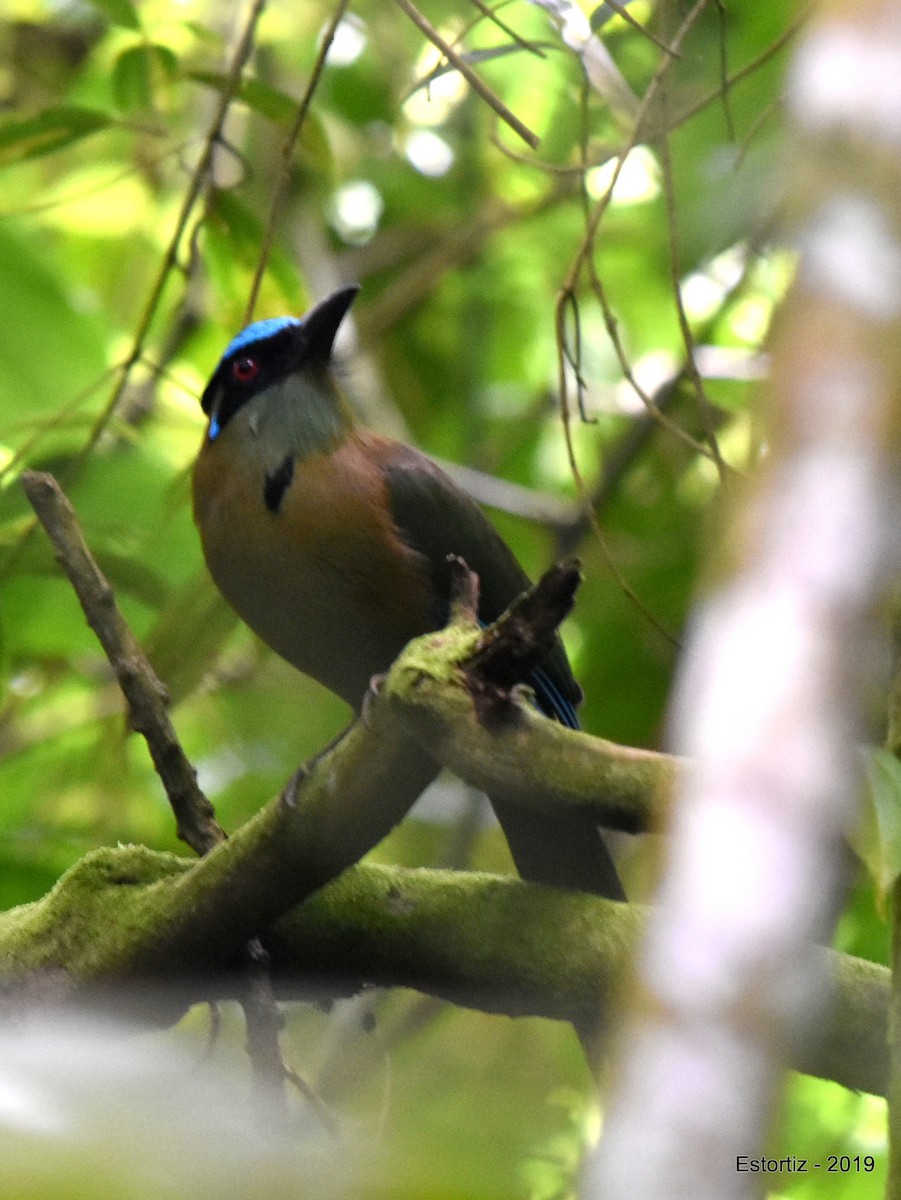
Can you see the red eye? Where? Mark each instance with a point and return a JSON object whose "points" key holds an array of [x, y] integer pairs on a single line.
{"points": [[245, 369]]}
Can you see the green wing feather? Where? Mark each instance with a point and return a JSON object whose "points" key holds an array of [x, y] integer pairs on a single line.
{"points": [[437, 518]]}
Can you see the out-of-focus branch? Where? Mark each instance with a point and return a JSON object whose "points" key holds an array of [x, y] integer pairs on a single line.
{"points": [[769, 704]]}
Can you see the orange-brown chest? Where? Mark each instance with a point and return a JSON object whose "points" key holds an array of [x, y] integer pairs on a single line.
{"points": [[323, 576]]}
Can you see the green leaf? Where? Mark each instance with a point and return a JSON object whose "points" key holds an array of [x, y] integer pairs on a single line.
{"points": [[137, 74], [267, 100], [119, 12], [877, 839], [59, 348], [49, 131], [132, 80]]}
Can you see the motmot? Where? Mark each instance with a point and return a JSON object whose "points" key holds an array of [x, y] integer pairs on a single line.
{"points": [[332, 542]]}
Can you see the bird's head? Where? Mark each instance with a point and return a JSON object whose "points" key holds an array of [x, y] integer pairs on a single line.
{"points": [[279, 363]]}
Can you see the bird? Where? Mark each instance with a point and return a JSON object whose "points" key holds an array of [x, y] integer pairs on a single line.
{"points": [[331, 542]]}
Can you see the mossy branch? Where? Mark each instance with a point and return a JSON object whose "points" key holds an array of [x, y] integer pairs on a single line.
{"points": [[332, 813], [430, 710], [130, 914], [450, 690], [496, 944]]}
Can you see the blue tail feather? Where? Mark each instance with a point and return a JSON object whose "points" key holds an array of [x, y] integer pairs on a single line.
{"points": [[551, 700]]}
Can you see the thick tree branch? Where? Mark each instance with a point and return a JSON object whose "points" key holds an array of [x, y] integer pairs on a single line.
{"points": [[446, 933], [526, 757], [325, 821], [330, 815], [351, 796], [208, 911]]}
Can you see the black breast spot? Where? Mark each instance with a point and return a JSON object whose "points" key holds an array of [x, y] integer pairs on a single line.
{"points": [[277, 483]]}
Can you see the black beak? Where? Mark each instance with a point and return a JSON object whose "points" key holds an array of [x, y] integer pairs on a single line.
{"points": [[320, 325]]}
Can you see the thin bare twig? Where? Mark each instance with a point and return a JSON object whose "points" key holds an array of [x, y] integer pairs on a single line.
{"points": [[688, 341], [566, 301], [653, 410], [749, 68], [263, 1022], [623, 12], [287, 152], [145, 695], [147, 698], [475, 81], [195, 187], [523, 43], [585, 496]]}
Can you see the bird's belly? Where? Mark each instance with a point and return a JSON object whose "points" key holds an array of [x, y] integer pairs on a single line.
{"points": [[306, 613], [338, 600]]}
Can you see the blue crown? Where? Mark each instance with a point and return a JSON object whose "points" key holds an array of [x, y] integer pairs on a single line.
{"points": [[259, 331]]}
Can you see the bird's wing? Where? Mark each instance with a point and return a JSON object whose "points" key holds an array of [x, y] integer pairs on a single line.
{"points": [[437, 518]]}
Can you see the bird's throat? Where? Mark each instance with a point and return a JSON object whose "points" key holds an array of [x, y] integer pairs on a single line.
{"points": [[301, 416]]}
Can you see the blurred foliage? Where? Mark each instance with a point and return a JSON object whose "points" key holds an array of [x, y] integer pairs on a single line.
{"points": [[464, 238]]}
